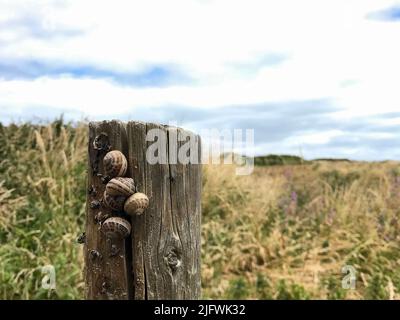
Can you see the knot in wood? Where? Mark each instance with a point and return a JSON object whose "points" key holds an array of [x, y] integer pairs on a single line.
{"points": [[173, 258]]}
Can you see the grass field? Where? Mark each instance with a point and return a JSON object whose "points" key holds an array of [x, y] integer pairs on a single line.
{"points": [[284, 232]]}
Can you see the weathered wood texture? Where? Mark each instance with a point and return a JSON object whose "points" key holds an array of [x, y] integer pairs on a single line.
{"points": [[163, 252], [107, 271]]}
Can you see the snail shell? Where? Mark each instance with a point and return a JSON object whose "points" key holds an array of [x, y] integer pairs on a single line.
{"points": [[136, 204], [120, 187], [115, 203], [115, 164], [116, 227]]}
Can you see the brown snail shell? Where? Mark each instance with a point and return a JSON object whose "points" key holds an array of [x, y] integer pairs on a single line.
{"points": [[116, 227], [120, 187], [136, 204], [115, 203], [115, 164]]}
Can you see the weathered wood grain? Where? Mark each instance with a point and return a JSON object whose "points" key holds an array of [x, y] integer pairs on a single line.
{"points": [[164, 249], [166, 240], [136, 168], [106, 266]]}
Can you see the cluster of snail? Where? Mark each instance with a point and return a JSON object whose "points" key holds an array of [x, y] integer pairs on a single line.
{"points": [[120, 195]]}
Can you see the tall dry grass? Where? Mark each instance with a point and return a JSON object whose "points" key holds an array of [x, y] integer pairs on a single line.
{"points": [[283, 232], [286, 232], [42, 199]]}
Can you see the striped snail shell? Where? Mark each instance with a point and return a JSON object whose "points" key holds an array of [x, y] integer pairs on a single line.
{"points": [[115, 164], [115, 203], [120, 187], [136, 204], [116, 227]]}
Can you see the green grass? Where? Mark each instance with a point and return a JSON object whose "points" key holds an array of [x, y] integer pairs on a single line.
{"points": [[278, 160], [285, 232], [42, 200]]}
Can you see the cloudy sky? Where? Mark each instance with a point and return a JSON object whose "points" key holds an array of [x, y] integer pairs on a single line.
{"points": [[316, 78]]}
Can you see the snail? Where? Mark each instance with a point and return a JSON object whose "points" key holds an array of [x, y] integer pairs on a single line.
{"points": [[116, 227], [115, 164], [120, 187], [115, 203], [136, 204]]}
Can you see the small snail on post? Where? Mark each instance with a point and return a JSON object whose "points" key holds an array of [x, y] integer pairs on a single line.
{"points": [[116, 227], [115, 203], [120, 187], [136, 204], [115, 164], [116, 230]]}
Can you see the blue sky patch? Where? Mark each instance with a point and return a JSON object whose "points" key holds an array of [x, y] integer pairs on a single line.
{"points": [[150, 76], [389, 14]]}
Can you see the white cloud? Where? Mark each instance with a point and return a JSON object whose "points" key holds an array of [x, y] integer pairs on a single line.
{"points": [[313, 138], [332, 49]]}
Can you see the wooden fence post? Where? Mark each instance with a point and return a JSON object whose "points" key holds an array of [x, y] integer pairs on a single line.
{"points": [[161, 258]]}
